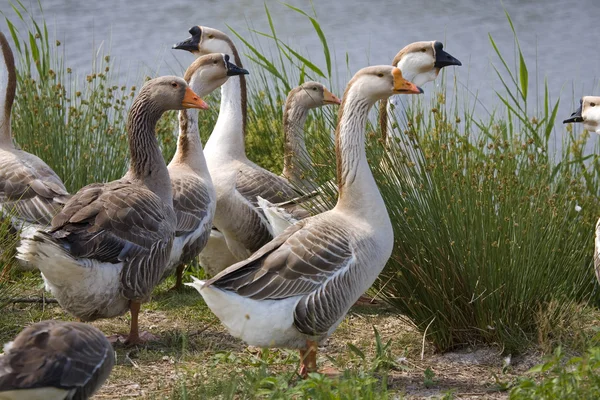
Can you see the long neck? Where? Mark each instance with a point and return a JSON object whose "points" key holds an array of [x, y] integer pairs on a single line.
{"points": [[357, 187], [189, 146], [295, 157], [147, 164], [8, 85], [228, 134]]}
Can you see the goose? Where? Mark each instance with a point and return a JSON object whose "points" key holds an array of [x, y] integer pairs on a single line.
{"points": [[295, 290], [194, 196], [109, 246], [237, 180], [420, 62], [30, 191], [55, 360], [589, 114]]}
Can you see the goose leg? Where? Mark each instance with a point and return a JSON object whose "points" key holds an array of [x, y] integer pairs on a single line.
{"points": [[308, 359], [179, 277], [134, 333]]}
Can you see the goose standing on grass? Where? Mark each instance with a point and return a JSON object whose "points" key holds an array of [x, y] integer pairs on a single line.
{"points": [[420, 62], [237, 180], [296, 290], [194, 197], [589, 113], [55, 360], [110, 244], [30, 191], [296, 159]]}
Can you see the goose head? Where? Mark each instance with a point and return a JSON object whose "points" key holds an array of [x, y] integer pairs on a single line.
{"points": [[209, 72], [205, 40], [380, 82], [312, 95], [588, 113], [170, 93], [421, 62]]}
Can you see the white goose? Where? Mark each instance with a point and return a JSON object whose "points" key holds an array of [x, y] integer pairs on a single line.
{"points": [[55, 360], [110, 244], [30, 191], [194, 196], [420, 62], [237, 180], [589, 113], [295, 290]]}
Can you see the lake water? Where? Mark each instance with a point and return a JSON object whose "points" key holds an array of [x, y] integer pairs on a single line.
{"points": [[139, 34]]}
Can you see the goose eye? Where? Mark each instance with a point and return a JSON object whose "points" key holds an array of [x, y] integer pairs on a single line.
{"points": [[593, 104], [211, 36], [174, 84], [380, 75], [315, 89], [423, 50], [215, 62]]}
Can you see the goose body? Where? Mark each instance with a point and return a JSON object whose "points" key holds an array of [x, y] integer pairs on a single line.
{"points": [[30, 191], [194, 196], [588, 113], [296, 289], [237, 180], [110, 244], [55, 360]]}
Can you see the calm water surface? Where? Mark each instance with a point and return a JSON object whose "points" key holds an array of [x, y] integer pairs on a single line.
{"points": [[139, 34]]}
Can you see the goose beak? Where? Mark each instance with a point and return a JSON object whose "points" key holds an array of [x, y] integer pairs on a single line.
{"points": [[192, 43], [330, 98], [233, 69], [192, 100], [443, 59], [575, 117], [403, 86]]}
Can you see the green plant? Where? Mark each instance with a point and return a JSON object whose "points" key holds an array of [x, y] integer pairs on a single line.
{"points": [[562, 378], [429, 378]]}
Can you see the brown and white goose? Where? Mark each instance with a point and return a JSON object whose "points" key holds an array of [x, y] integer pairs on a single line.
{"points": [[110, 244], [420, 62], [55, 360], [588, 113], [30, 191], [237, 180], [296, 289], [194, 196]]}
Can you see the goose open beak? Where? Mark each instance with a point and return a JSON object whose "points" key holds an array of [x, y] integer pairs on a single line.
{"points": [[330, 98], [443, 59], [575, 117], [233, 69], [190, 44], [401, 85], [192, 100]]}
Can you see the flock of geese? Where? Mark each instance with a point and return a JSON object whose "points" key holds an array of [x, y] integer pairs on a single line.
{"points": [[283, 275]]}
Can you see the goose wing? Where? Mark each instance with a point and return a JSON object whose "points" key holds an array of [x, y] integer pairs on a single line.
{"points": [[191, 203], [311, 260], [30, 187], [119, 222], [252, 181], [56, 354]]}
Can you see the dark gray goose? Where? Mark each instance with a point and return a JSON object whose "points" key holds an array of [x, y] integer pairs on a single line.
{"points": [[194, 196], [30, 191], [588, 113], [110, 244], [237, 180], [296, 289], [55, 360]]}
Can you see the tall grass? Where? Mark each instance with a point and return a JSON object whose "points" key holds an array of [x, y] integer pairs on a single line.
{"points": [[489, 247]]}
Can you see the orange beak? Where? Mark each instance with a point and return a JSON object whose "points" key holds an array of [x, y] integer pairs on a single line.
{"points": [[401, 85], [330, 98], [192, 100]]}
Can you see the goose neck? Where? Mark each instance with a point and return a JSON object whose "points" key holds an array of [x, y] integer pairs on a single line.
{"points": [[228, 134], [295, 157], [189, 146], [8, 86], [357, 187], [147, 164]]}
